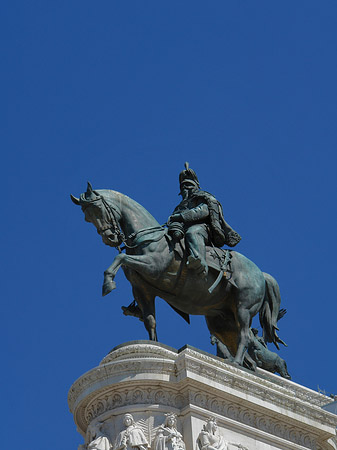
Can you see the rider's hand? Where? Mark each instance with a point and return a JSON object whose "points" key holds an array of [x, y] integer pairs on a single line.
{"points": [[175, 218]]}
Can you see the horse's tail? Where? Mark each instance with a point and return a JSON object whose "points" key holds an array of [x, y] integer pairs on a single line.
{"points": [[270, 311]]}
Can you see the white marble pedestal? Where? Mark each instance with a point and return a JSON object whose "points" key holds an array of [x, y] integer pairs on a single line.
{"points": [[254, 411]]}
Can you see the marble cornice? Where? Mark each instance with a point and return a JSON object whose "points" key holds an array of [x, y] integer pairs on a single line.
{"points": [[284, 394], [145, 373]]}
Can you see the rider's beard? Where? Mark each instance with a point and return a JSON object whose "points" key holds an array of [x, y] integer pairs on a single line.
{"points": [[187, 192], [184, 194]]}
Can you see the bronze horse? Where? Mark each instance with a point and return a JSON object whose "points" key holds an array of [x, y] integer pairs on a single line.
{"points": [[155, 266]]}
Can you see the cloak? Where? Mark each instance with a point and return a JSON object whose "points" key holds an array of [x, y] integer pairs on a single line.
{"points": [[221, 232]]}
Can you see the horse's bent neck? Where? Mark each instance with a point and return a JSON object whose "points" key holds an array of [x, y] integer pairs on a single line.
{"points": [[133, 216]]}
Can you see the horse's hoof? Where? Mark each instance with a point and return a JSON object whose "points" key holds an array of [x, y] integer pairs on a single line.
{"points": [[108, 287], [236, 364]]}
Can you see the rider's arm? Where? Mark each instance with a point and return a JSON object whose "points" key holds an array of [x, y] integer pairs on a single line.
{"points": [[195, 214]]}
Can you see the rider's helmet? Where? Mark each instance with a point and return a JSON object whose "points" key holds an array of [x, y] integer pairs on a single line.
{"points": [[188, 176]]}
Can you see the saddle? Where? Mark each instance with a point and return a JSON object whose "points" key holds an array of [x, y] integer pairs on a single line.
{"points": [[216, 258]]}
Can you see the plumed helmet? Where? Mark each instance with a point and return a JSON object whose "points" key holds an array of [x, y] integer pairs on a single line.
{"points": [[188, 176]]}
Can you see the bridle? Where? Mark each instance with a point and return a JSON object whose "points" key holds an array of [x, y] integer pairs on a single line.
{"points": [[134, 239], [112, 218]]}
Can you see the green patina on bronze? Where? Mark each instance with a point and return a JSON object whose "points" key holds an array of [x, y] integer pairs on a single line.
{"points": [[181, 264]]}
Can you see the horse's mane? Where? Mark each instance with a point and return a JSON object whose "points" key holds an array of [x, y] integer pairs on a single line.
{"points": [[120, 200]]}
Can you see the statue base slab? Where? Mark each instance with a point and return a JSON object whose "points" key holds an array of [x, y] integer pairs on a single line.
{"points": [[254, 410]]}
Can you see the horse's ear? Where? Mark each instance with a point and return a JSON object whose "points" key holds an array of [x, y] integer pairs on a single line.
{"points": [[89, 188], [75, 200]]}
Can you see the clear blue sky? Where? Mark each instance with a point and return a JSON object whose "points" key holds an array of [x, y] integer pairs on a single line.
{"points": [[122, 94]]}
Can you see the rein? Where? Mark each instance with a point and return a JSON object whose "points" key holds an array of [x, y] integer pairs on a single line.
{"points": [[132, 237]]}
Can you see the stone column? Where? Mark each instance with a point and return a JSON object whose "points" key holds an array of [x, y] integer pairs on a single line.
{"points": [[149, 381]]}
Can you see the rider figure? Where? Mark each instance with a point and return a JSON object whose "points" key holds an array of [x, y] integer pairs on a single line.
{"points": [[199, 217]]}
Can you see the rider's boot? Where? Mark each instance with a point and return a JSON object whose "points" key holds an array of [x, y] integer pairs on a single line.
{"points": [[133, 310], [197, 264], [195, 240]]}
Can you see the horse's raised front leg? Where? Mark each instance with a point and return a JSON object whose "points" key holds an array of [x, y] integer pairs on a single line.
{"points": [[141, 263], [110, 273]]}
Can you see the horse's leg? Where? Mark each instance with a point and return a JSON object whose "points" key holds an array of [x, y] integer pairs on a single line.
{"points": [[110, 273], [215, 326], [142, 263], [150, 321], [249, 362], [146, 303], [244, 319]]}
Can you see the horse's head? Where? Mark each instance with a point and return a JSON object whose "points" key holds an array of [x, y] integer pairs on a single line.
{"points": [[98, 212], [214, 339]]}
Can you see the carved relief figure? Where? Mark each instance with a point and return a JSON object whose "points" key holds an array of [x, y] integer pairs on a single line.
{"points": [[210, 438], [132, 437], [97, 440], [167, 436]]}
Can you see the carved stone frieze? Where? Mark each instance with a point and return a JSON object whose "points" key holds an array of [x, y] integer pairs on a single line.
{"points": [[294, 398], [171, 398], [137, 396], [252, 418], [268, 379], [145, 378], [114, 369]]}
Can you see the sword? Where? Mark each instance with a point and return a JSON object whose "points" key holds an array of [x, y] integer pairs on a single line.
{"points": [[222, 272]]}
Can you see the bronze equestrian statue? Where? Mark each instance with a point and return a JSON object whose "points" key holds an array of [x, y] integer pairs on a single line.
{"points": [[223, 285]]}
